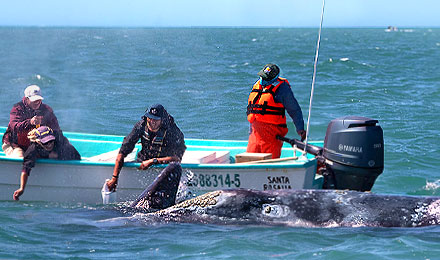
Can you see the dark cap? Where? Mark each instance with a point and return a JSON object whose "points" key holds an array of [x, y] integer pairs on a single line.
{"points": [[155, 112], [269, 72], [44, 134]]}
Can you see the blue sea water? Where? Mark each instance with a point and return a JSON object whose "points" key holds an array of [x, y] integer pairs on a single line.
{"points": [[100, 80]]}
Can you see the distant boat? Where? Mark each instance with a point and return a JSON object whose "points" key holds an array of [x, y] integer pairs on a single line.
{"points": [[391, 29]]}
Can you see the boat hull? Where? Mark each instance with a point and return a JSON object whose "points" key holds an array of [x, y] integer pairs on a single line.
{"points": [[82, 182]]}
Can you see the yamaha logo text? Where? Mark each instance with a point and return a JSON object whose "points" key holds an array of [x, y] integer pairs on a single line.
{"points": [[349, 148]]}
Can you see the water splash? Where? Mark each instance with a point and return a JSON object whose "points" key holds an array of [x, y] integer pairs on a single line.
{"points": [[432, 186], [185, 192]]}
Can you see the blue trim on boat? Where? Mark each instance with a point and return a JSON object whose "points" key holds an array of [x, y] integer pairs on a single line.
{"points": [[300, 164], [89, 145]]}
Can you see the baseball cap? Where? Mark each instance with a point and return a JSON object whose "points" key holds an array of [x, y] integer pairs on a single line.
{"points": [[33, 92], [44, 134], [155, 112], [269, 72]]}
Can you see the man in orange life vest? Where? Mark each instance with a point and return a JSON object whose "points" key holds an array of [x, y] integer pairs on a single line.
{"points": [[26, 115], [268, 101]]}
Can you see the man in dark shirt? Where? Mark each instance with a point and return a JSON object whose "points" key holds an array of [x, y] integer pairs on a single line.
{"points": [[47, 144], [162, 142], [26, 115]]}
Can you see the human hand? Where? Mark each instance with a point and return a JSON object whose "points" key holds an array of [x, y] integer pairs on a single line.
{"points": [[17, 194], [111, 184], [302, 133], [32, 135], [36, 120], [146, 164]]}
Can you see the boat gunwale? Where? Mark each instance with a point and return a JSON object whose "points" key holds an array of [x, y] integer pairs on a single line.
{"points": [[84, 162], [191, 143]]}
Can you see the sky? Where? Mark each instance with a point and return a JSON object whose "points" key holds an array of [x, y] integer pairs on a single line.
{"points": [[221, 13]]}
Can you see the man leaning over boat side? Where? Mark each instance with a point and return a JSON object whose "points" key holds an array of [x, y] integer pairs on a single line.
{"points": [[26, 115], [45, 143], [162, 143], [268, 101]]}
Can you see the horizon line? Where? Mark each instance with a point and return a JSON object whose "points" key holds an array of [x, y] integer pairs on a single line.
{"points": [[217, 27]]}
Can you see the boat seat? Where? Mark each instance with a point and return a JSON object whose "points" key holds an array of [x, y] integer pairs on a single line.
{"points": [[202, 157], [250, 157], [111, 156], [190, 157]]}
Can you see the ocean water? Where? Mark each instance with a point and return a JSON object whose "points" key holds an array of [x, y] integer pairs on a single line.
{"points": [[100, 80]]}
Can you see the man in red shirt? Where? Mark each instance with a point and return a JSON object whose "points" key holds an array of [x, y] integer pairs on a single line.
{"points": [[26, 115]]}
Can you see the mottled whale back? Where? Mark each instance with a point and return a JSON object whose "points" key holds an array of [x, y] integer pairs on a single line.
{"points": [[303, 208]]}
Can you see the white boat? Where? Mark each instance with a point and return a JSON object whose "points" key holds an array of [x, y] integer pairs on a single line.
{"points": [[210, 163], [391, 29], [351, 157]]}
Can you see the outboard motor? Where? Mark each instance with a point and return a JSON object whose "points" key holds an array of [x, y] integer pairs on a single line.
{"points": [[353, 153]]}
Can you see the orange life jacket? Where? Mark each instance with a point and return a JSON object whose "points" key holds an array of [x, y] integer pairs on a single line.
{"points": [[262, 106]]}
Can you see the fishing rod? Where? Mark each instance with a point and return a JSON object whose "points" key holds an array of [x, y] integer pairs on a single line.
{"points": [[313, 80]]}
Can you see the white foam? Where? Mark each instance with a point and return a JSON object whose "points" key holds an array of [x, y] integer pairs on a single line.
{"points": [[432, 185], [114, 222]]}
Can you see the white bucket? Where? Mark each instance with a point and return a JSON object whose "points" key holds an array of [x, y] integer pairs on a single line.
{"points": [[107, 196]]}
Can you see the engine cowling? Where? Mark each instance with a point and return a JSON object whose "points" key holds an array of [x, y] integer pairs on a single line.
{"points": [[353, 153]]}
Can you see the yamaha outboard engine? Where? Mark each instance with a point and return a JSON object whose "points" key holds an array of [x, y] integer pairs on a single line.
{"points": [[353, 153]]}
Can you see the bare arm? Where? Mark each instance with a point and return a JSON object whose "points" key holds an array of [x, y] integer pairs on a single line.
{"points": [[163, 160], [23, 181], [118, 166]]}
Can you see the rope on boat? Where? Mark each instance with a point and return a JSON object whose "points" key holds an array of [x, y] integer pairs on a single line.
{"points": [[313, 79]]}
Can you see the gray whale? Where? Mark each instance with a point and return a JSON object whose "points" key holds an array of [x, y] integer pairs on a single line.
{"points": [[302, 208]]}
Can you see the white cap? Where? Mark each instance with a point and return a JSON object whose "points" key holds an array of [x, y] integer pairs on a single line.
{"points": [[33, 93]]}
